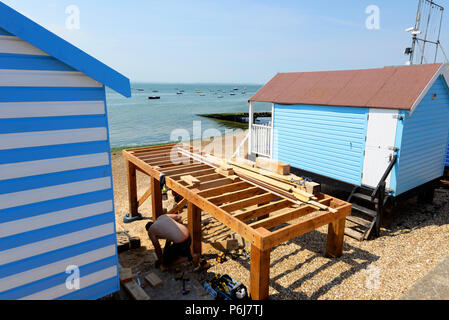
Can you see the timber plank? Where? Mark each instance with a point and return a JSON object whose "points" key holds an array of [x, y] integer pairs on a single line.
{"points": [[304, 226], [144, 197], [215, 183], [153, 280], [236, 195], [263, 210], [274, 221], [223, 189], [241, 204], [185, 169], [198, 173], [136, 292]]}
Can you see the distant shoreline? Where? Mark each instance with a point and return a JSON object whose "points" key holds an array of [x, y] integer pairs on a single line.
{"points": [[117, 149]]}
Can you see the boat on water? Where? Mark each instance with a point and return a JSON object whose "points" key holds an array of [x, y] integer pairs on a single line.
{"points": [[179, 92], [232, 94], [220, 97], [154, 98], [155, 91]]}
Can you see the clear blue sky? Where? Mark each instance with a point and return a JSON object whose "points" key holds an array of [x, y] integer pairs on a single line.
{"points": [[245, 41]]}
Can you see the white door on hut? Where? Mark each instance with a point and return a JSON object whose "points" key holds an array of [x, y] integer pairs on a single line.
{"points": [[379, 147]]}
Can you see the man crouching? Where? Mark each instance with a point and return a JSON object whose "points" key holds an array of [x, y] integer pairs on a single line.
{"points": [[178, 241]]}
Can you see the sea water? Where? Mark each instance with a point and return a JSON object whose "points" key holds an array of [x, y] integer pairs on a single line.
{"points": [[139, 121]]}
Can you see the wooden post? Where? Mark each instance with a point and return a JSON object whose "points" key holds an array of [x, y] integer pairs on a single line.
{"points": [[335, 238], [259, 273], [132, 189], [194, 221], [156, 198], [250, 127]]}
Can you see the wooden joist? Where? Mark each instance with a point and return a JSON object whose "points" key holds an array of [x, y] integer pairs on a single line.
{"points": [[263, 210], [241, 204], [236, 195]]}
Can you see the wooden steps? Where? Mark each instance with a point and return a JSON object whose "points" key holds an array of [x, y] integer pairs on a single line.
{"points": [[362, 216]]}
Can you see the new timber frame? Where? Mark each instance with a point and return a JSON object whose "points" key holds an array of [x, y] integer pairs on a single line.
{"points": [[263, 218]]}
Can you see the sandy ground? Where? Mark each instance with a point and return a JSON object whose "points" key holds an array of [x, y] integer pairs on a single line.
{"points": [[385, 268]]}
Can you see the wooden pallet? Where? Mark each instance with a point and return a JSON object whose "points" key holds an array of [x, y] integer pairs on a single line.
{"points": [[262, 216]]}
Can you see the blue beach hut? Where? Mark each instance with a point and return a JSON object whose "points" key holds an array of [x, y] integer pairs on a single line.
{"points": [[57, 222], [361, 129]]}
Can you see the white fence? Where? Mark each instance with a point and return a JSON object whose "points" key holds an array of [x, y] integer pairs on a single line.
{"points": [[261, 139]]}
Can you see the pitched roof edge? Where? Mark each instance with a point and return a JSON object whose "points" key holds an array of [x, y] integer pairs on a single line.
{"points": [[441, 71], [13, 22]]}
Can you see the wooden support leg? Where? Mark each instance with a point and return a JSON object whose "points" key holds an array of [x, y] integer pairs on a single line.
{"points": [[156, 199], [259, 273], [335, 238], [194, 221], [132, 189]]}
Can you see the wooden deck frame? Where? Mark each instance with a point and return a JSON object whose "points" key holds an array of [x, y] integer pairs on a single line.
{"points": [[237, 203]]}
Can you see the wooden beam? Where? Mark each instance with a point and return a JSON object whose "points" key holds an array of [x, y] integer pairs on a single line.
{"points": [[165, 163], [260, 272], [304, 226], [223, 189], [200, 172], [178, 207], [335, 238], [156, 199], [185, 169], [236, 195], [144, 197], [209, 177], [194, 221], [215, 183], [132, 189], [150, 148], [274, 221], [155, 155], [263, 210], [238, 205]]}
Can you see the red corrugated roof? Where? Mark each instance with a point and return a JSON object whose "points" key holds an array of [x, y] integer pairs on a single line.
{"points": [[386, 88]]}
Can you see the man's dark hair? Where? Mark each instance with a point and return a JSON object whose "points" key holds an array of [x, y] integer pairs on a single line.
{"points": [[148, 225]]}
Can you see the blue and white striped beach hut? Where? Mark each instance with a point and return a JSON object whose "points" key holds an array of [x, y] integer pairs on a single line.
{"points": [[56, 198]]}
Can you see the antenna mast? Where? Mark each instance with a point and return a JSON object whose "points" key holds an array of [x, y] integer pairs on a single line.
{"points": [[426, 33]]}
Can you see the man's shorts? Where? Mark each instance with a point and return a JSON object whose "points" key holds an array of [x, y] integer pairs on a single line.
{"points": [[173, 251]]}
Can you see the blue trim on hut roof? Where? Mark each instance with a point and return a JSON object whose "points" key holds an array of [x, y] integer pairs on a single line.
{"points": [[36, 35]]}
